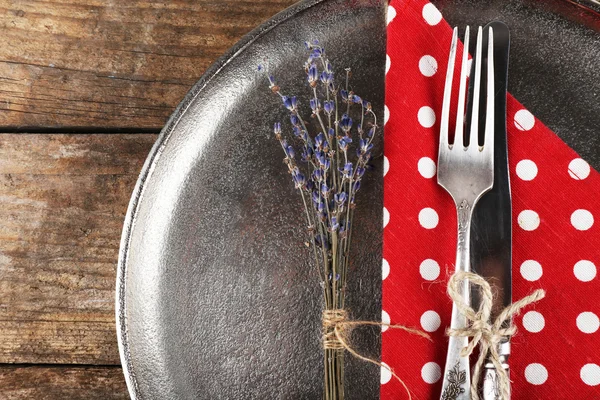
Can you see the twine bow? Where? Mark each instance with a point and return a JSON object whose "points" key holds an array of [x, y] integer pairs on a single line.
{"points": [[486, 334], [337, 329]]}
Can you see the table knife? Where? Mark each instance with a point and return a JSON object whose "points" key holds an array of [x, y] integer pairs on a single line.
{"points": [[491, 234]]}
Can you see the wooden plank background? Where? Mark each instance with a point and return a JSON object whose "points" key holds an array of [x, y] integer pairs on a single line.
{"points": [[94, 80]]}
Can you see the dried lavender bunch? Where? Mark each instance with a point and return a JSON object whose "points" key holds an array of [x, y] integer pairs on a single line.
{"points": [[327, 174]]}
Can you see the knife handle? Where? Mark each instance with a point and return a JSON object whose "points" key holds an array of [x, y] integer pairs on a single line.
{"points": [[491, 391]]}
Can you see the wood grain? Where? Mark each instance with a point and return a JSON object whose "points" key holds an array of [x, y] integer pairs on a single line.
{"points": [[100, 63], [64, 199], [72, 383]]}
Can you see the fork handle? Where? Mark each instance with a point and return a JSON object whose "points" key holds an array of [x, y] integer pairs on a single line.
{"points": [[457, 374]]}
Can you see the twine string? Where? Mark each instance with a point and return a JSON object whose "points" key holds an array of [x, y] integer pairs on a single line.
{"points": [[336, 333], [484, 333]]}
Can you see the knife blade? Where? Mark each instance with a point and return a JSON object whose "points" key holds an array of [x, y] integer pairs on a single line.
{"points": [[491, 234]]}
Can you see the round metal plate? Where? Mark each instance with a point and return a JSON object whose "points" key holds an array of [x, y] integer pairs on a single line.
{"points": [[216, 298]]}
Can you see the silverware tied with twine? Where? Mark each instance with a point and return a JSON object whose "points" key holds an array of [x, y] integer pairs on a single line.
{"points": [[466, 171]]}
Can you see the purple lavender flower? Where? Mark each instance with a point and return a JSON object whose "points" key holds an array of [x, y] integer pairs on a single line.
{"points": [[340, 198], [334, 224], [315, 198], [290, 152], [326, 77], [325, 191], [313, 75], [347, 171], [344, 142], [294, 120], [315, 105], [331, 133], [322, 242], [344, 94], [318, 175], [329, 107], [356, 99], [277, 129], [306, 153], [310, 185], [319, 141], [324, 163], [346, 123], [321, 206], [299, 178], [360, 171], [291, 103], [364, 146]]}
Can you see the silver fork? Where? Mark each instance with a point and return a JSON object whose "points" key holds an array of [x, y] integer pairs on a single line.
{"points": [[466, 172]]}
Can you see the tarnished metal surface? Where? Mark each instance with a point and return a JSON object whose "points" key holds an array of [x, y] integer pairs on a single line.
{"points": [[218, 299]]}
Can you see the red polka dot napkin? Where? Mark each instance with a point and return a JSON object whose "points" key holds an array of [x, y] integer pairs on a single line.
{"points": [[556, 352]]}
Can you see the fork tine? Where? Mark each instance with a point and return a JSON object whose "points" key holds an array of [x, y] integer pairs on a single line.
{"points": [[460, 112], [473, 134], [488, 143], [444, 122]]}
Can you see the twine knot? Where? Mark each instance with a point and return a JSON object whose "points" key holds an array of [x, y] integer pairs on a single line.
{"points": [[337, 329], [333, 327], [487, 334]]}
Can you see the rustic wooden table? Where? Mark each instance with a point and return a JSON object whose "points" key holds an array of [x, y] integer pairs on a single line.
{"points": [[85, 87]]}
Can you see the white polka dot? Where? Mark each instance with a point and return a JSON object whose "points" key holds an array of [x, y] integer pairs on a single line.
{"points": [[428, 218], [386, 217], [588, 322], [531, 270], [431, 14], [536, 374], [388, 64], [584, 270], [386, 165], [430, 270], [385, 269], [386, 114], [428, 65], [582, 220], [527, 170], [579, 169], [391, 14], [524, 120], [529, 220], [386, 373], [431, 372], [385, 318], [426, 167], [430, 321], [590, 374], [426, 116], [533, 321]]}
